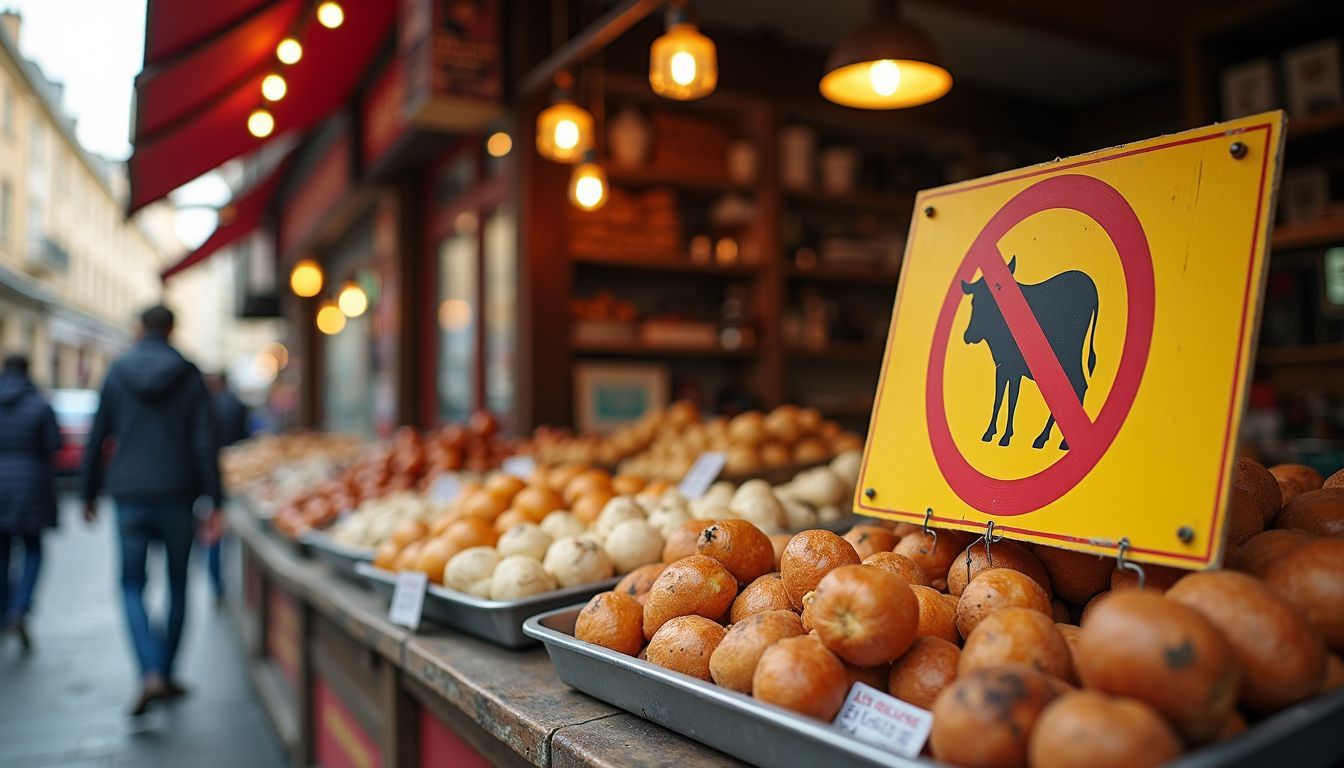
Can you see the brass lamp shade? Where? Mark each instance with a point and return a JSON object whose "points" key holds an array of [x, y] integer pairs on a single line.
{"points": [[887, 64]]}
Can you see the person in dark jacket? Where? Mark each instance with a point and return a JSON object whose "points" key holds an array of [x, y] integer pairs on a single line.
{"points": [[230, 427], [155, 407], [29, 439]]}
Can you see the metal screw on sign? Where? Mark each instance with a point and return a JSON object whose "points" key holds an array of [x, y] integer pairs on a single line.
{"points": [[1237, 149], [928, 212], [1186, 534], [1124, 564], [928, 514], [870, 492]]}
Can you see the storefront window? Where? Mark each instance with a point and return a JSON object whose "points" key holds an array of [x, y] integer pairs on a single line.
{"points": [[457, 324], [501, 294]]}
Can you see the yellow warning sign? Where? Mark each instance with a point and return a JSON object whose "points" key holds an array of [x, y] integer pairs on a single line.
{"points": [[1071, 345]]}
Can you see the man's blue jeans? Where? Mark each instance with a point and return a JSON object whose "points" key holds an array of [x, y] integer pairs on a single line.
{"points": [[171, 524], [15, 604]]}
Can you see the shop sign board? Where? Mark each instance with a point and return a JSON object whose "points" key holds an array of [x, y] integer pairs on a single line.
{"points": [[1108, 304], [282, 634], [340, 741], [440, 745], [453, 63]]}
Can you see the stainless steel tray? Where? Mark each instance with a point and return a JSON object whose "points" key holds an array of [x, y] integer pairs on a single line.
{"points": [[728, 721], [341, 557], [496, 621], [1304, 736]]}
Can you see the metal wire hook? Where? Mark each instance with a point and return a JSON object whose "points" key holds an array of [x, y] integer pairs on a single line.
{"points": [[928, 514], [1125, 565], [990, 538]]}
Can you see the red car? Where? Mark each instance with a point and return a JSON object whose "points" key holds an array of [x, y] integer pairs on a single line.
{"points": [[75, 409]]}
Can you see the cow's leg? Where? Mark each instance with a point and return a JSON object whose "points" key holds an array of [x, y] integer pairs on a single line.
{"points": [[1041, 439], [1014, 384], [999, 383], [1080, 387]]}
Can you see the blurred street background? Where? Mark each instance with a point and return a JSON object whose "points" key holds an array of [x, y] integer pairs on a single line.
{"points": [[65, 702]]}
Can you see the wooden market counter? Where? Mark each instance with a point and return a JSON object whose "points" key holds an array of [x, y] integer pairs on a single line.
{"points": [[344, 687]]}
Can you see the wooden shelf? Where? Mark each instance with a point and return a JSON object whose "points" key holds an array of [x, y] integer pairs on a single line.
{"points": [[653, 177], [1301, 354], [875, 277], [639, 349], [861, 200], [851, 412], [1323, 232], [665, 263], [839, 352], [1315, 125]]}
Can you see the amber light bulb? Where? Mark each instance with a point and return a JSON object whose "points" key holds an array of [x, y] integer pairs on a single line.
{"points": [[683, 63], [588, 184]]}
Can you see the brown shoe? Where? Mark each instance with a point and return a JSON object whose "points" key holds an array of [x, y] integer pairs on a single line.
{"points": [[153, 690]]}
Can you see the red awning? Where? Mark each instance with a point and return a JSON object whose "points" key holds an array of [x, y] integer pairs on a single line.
{"points": [[237, 220], [193, 107], [173, 27]]}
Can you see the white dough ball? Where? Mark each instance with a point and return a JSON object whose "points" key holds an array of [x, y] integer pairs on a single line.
{"points": [[519, 576], [524, 539]]}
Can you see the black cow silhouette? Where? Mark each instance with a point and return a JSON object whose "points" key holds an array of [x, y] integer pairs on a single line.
{"points": [[1065, 306]]}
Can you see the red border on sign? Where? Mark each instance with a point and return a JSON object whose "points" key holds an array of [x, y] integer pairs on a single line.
{"points": [[1232, 394], [1088, 440]]}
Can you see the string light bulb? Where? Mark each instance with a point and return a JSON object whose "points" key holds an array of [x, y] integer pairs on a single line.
{"points": [[273, 87], [306, 279], [330, 14], [499, 144], [260, 123], [330, 319], [588, 184], [289, 51], [683, 63], [352, 300]]}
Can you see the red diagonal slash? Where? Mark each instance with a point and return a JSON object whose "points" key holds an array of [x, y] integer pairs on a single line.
{"points": [[1036, 350]]}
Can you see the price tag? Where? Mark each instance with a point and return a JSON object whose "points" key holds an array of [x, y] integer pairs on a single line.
{"points": [[884, 721], [519, 466], [702, 474], [408, 599], [444, 489]]}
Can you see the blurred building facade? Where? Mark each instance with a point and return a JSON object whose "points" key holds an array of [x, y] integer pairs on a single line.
{"points": [[73, 270]]}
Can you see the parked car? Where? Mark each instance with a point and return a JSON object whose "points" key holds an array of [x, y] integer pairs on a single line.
{"points": [[75, 409]]}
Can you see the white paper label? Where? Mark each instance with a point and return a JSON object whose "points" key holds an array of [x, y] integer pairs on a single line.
{"points": [[884, 721], [702, 474], [408, 599], [444, 489], [519, 466]]}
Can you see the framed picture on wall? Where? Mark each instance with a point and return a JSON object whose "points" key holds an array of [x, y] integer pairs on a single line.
{"points": [[1312, 78], [607, 395], [1304, 194], [1248, 88], [1332, 282]]}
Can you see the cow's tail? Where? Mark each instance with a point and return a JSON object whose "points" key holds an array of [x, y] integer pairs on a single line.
{"points": [[1092, 342]]}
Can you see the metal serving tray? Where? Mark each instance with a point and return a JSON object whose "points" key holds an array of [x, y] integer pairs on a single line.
{"points": [[496, 621], [767, 735], [726, 720], [341, 557]]}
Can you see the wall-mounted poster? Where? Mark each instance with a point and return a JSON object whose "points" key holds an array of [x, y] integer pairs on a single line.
{"points": [[1303, 194], [607, 396], [1248, 88], [1312, 79]]}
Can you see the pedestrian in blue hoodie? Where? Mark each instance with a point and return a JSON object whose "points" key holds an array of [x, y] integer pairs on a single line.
{"points": [[29, 439], [156, 410]]}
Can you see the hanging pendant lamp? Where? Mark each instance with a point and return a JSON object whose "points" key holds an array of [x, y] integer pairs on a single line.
{"points": [[886, 64]]}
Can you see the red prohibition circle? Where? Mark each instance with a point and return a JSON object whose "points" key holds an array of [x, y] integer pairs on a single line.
{"points": [[1090, 439]]}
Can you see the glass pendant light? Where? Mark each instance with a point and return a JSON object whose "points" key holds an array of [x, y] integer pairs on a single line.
{"points": [[683, 63], [564, 129]]}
